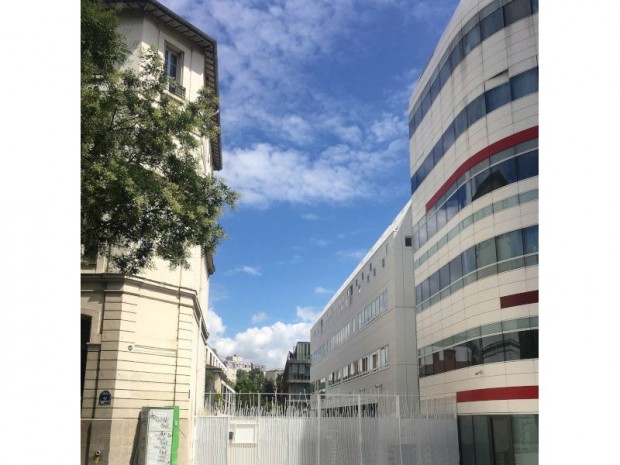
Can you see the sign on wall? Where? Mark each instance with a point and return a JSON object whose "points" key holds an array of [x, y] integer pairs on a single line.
{"points": [[162, 436]]}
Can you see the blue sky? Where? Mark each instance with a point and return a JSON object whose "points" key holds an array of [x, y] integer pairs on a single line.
{"points": [[314, 99]]}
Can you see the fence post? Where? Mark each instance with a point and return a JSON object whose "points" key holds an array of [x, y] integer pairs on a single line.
{"points": [[400, 434], [318, 431], [359, 429]]}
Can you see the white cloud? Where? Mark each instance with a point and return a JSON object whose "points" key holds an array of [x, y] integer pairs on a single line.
{"points": [[251, 270], [215, 325], [260, 316], [356, 254], [268, 345], [308, 314], [322, 290], [310, 216]]}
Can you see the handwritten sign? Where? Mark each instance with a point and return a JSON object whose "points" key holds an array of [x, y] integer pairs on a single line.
{"points": [[160, 436]]}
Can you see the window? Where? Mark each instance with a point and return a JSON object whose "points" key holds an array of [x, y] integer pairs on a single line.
{"points": [[407, 244], [456, 55], [524, 84], [497, 97], [476, 110], [456, 269], [491, 24], [448, 138], [471, 39], [444, 276], [509, 245], [173, 65], [485, 253], [527, 165], [492, 349], [460, 123], [516, 10], [530, 240]]}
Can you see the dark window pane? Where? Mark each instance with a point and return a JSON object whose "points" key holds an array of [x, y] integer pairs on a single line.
{"points": [[512, 346], [417, 118], [530, 239], [442, 216], [444, 276], [466, 440], [427, 166], [482, 441], [438, 362], [471, 39], [504, 173], [426, 103], [461, 195], [527, 165], [456, 55], [449, 355], [534, 6], [426, 293], [474, 352], [509, 245], [428, 365], [485, 253], [502, 439], [435, 89], [434, 282], [452, 207], [481, 184], [491, 24], [528, 341], [418, 294], [524, 84], [416, 241], [437, 151], [469, 260], [448, 138], [492, 349], [514, 11], [476, 110], [456, 269], [444, 73], [431, 226], [460, 123], [497, 97]]}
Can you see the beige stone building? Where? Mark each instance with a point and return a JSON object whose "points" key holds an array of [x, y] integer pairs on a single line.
{"points": [[144, 338]]}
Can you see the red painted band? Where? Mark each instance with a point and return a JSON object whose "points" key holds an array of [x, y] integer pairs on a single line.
{"points": [[503, 393], [523, 298], [487, 152]]}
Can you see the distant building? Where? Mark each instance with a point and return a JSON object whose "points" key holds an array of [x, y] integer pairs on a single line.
{"points": [[218, 393], [364, 341], [235, 362], [273, 374], [296, 376]]}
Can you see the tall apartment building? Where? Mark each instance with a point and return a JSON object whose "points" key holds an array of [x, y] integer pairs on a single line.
{"points": [[364, 340], [144, 337], [473, 124]]}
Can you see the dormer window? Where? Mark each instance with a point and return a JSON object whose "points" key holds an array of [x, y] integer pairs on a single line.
{"points": [[173, 66]]}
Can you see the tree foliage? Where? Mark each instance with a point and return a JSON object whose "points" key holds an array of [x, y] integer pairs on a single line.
{"points": [[142, 192]]}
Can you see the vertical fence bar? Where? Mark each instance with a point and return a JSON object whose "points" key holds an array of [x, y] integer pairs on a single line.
{"points": [[359, 427], [318, 431]]}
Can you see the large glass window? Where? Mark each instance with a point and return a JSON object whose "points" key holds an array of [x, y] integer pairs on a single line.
{"points": [[471, 39], [476, 110], [437, 151], [456, 268], [431, 226], [512, 346], [530, 239], [444, 276], [466, 440], [524, 438], [492, 349], [497, 97], [448, 138], [480, 184], [474, 352], [434, 282], [528, 341], [452, 206], [524, 84], [442, 216], [456, 55], [509, 245], [469, 260], [502, 439], [491, 24], [460, 123], [527, 165], [504, 173], [485, 253], [482, 442], [516, 10], [439, 365], [449, 357], [426, 289], [444, 73]]}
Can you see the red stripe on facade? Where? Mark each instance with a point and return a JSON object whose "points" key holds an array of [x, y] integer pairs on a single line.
{"points": [[503, 393], [487, 152], [523, 298]]}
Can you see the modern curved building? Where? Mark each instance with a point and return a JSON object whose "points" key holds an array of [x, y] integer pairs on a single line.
{"points": [[473, 126]]}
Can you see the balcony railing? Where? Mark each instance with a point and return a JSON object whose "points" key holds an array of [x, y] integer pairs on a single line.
{"points": [[176, 89]]}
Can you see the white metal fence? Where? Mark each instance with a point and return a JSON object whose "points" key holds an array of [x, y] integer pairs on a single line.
{"points": [[350, 430]]}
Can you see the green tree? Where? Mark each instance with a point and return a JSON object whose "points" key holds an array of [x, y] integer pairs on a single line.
{"points": [[142, 193]]}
